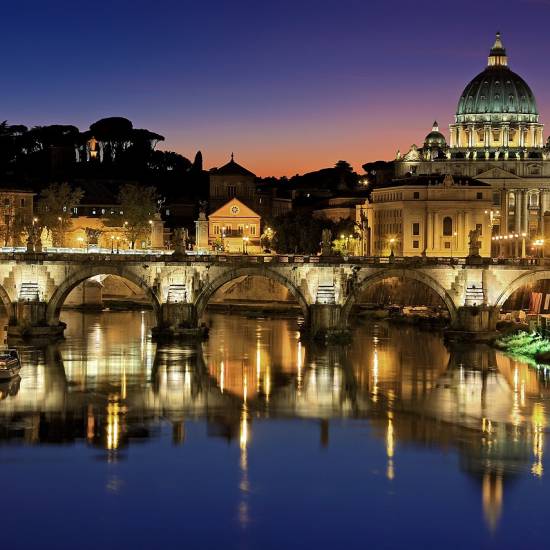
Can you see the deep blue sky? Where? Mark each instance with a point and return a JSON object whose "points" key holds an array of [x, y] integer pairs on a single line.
{"points": [[289, 86]]}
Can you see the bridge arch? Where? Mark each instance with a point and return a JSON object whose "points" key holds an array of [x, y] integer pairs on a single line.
{"points": [[207, 292], [525, 279], [63, 290], [413, 274]]}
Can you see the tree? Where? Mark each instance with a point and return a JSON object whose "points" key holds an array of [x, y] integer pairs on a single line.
{"points": [[139, 205], [297, 233], [114, 133], [54, 209]]}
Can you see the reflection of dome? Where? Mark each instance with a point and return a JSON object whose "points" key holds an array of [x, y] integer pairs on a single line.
{"points": [[497, 93], [435, 138]]}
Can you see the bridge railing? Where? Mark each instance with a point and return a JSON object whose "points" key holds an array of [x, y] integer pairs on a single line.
{"points": [[279, 259]]}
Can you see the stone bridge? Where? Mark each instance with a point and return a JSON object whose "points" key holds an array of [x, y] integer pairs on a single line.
{"points": [[34, 286]]}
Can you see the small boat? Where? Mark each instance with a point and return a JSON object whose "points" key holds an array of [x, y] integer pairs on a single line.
{"points": [[9, 364]]}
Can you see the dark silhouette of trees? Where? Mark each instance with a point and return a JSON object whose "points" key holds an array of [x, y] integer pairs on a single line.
{"points": [[138, 204], [297, 233], [54, 209]]}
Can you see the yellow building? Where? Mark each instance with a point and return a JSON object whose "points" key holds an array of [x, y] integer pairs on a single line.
{"points": [[426, 215], [235, 227]]}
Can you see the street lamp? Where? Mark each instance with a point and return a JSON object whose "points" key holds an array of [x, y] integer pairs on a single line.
{"points": [[118, 245], [245, 244], [539, 248], [112, 244], [392, 241]]}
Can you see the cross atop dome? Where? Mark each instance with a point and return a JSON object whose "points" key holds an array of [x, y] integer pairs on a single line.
{"points": [[435, 126], [497, 55]]}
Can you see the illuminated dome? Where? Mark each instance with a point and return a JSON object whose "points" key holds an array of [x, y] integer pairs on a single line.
{"points": [[497, 93], [435, 138], [497, 112]]}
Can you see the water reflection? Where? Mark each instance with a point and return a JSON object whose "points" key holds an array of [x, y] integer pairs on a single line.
{"points": [[111, 387]]}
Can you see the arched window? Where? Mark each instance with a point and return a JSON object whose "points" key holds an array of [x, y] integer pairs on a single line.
{"points": [[447, 226]]}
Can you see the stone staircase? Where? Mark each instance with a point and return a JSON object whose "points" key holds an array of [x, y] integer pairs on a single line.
{"points": [[475, 295], [29, 292], [325, 294], [177, 294]]}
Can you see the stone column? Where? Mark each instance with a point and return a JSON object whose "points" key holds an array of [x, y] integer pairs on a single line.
{"points": [[542, 208], [525, 212], [518, 209], [521, 134], [504, 198], [487, 135], [533, 138], [506, 137]]}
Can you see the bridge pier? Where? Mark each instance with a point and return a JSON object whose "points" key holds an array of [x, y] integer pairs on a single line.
{"points": [[30, 323], [326, 322], [474, 323], [178, 320]]}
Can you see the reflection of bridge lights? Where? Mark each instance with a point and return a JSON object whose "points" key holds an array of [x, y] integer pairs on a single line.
{"points": [[113, 426], [222, 376], [299, 367], [539, 423], [492, 496], [390, 447]]}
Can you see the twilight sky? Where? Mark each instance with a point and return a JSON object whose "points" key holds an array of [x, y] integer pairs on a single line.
{"points": [[289, 85]]}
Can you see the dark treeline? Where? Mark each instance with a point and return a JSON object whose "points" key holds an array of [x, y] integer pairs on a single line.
{"points": [[110, 150]]}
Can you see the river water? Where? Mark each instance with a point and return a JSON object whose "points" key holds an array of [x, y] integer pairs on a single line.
{"points": [[254, 439]]}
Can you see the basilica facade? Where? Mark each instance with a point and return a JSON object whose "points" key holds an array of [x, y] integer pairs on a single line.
{"points": [[496, 138]]}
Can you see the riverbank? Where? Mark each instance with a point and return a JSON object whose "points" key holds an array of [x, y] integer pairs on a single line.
{"points": [[530, 347]]}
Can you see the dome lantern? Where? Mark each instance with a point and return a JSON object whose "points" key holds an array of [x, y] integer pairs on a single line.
{"points": [[497, 55]]}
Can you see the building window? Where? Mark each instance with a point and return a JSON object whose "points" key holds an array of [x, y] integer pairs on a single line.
{"points": [[447, 226], [416, 195], [253, 230], [22, 202], [479, 228], [415, 244], [6, 202], [231, 191], [479, 195], [216, 229], [416, 228], [447, 244]]}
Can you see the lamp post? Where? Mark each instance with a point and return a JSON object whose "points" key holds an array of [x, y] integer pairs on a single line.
{"points": [[112, 244], [245, 245], [523, 235]]}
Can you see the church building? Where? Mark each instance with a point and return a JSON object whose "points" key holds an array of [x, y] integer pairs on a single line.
{"points": [[235, 228], [232, 181], [496, 138]]}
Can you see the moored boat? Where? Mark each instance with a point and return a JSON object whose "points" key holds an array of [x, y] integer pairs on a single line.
{"points": [[9, 364]]}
